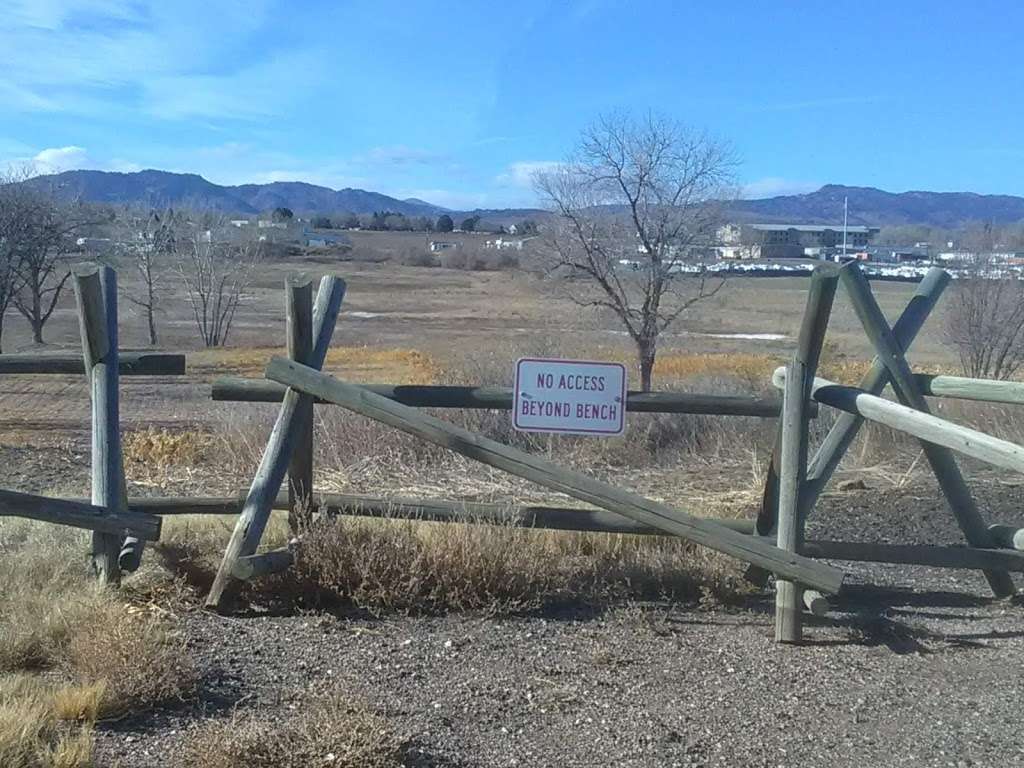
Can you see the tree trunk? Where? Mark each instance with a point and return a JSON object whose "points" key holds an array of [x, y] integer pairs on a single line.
{"points": [[646, 351], [152, 325]]}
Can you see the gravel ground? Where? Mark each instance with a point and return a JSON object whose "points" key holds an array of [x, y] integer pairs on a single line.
{"points": [[915, 667]]}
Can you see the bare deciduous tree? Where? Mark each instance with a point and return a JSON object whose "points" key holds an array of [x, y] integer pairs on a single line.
{"points": [[17, 210], [637, 207], [38, 232], [153, 245], [216, 266]]}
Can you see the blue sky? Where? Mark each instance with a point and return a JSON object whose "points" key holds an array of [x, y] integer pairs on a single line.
{"points": [[457, 103]]}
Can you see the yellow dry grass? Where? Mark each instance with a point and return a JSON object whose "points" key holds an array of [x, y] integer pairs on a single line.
{"points": [[163, 447], [362, 364], [32, 735]]}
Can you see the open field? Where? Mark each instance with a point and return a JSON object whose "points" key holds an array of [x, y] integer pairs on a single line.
{"points": [[428, 644]]}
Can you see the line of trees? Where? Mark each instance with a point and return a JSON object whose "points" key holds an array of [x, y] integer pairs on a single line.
{"points": [[387, 221]]}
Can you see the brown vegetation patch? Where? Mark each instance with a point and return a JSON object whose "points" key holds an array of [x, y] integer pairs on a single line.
{"points": [[332, 730]]}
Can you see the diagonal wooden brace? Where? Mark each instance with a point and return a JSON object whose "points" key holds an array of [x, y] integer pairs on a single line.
{"points": [[276, 456], [841, 436], [941, 459], [704, 532]]}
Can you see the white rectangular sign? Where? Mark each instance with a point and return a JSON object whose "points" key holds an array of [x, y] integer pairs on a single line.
{"points": [[576, 397]]}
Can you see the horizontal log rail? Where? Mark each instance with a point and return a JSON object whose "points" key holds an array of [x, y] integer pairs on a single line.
{"points": [[971, 558], [129, 364], [963, 388], [924, 426], [79, 514], [239, 389], [429, 510]]}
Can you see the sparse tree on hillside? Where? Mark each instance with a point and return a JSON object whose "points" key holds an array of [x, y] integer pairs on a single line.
{"points": [[216, 268], [469, 224], [282, 214], [635, 207], [444, 223]]}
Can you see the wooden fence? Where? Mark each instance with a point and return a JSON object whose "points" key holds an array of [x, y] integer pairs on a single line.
{"points": [[774, 543]]}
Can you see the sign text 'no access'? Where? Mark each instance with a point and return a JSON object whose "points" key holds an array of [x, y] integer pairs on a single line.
{"points": [[570, 396]]}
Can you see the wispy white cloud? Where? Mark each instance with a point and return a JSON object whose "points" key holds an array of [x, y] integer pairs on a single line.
{"points": [[57, 159], [772, 186], [522, 173]]}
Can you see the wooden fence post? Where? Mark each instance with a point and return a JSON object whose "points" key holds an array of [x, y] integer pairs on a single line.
{"points": [[96, 291], [941, 459], [792, 471], [276, 456], [299, 302], [820, 295]]}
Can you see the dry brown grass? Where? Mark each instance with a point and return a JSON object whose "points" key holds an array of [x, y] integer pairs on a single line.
{"points": [[330, 730], [363, 364], [96, 655], [416, 566], [160, 448], [32, 735]]}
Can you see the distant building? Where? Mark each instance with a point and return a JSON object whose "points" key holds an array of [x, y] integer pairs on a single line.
{"points": [[789, 241], [240, 223], [268, 224], [441, 245]]}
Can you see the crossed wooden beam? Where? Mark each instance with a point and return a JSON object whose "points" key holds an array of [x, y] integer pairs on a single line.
{"points": [[305, 381], [890, 366]]}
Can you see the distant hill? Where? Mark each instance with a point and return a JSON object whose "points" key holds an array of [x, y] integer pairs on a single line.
{"points": [[159, 189], [867, 205], [876, 207]]}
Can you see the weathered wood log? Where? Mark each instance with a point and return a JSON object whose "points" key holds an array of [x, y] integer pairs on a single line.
{"points": [[239, 389], [963, 388], [79, 514], [1009, 536], [820, 296], [299, 309], [939, 457], [575, 484], [815, 602], [924, 426], [841, 436], [96, 291], [968, 558], [265, 564], [129, 364], [430, 510], [792, 468], [276, 456]]}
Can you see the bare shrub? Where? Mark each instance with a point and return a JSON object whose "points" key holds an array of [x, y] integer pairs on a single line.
{"points": [[417, 257], [138, 662], [454, 258], [985, 323], [216, 265], [332, 730]]}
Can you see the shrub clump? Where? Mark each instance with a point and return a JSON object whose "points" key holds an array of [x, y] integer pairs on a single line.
{"points": [[332, 730]]}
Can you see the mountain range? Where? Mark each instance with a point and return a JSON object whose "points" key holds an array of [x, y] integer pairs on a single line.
{"points": [[867, 205]]}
